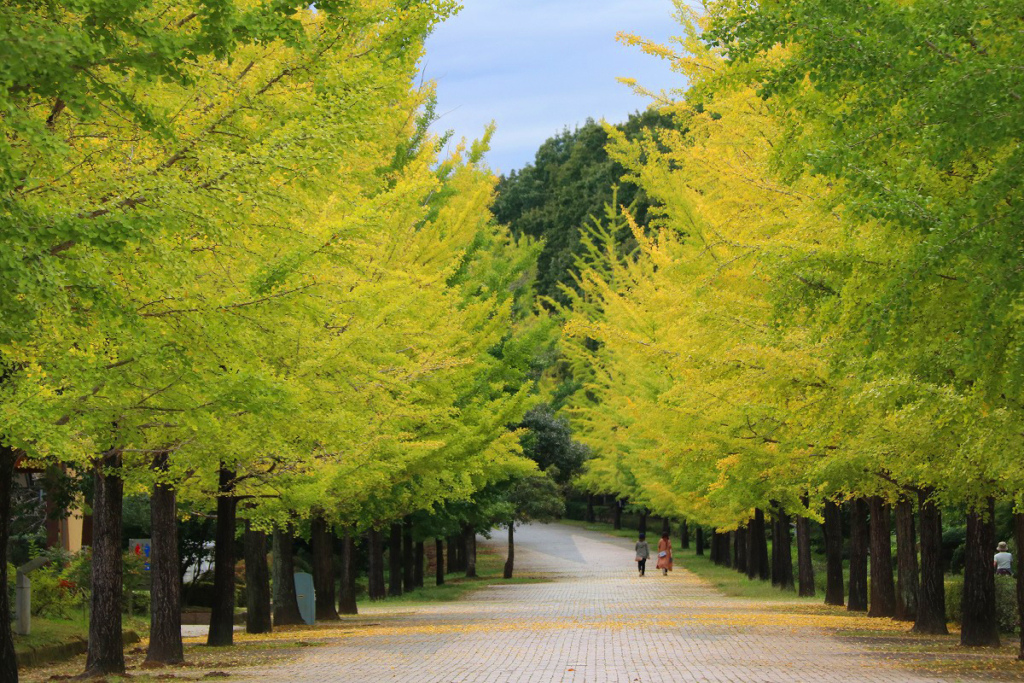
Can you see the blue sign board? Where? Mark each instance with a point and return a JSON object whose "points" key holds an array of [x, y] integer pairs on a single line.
{"points": [[141, 547], [307, 598]]}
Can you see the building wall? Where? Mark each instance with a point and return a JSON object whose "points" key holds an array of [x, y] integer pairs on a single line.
{"points": [[68, 533]]}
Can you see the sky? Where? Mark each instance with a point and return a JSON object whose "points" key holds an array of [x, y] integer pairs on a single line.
{"points": [[535, 67]]}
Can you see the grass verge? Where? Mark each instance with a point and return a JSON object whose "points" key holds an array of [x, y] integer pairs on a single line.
{"points": [[285, 642], [490, 564], [45, 632]]}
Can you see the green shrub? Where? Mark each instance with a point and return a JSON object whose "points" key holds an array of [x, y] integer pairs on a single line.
{"points": [[52, 595], [198, 594], [203, 595], [135, 585], [78, 574], [141, 602], [1006, 602], [64, 585], [954, 596], [575, 509]]}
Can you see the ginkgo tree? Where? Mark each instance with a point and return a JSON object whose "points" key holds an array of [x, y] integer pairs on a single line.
{"points": [[909, 107], [687, 327], [424, 404], [811, 321], [238, 298]]}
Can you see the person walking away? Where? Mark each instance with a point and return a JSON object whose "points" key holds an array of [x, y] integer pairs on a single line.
{"points": [[642, 553], [665, 554], [1003, 560]]}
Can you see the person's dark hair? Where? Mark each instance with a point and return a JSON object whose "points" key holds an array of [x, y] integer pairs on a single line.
{"points": [[643, 536], [665, 535]]}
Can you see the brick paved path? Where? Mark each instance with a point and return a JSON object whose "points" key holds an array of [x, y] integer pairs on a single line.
{"points": [[596, 622]]}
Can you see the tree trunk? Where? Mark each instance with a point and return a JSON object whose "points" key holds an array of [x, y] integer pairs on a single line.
{"points": [[752, 555], [511, 561], [699, 540], [931, 593], [979, 627], [8, 662], [323, 569], [642, 527], [257, 581], [347, 592], [222, 613], [165, 645], [741, 550], [784, 541], [858, 601], [376, 588], [286, 600], [776, 567], [395, 561], [469, 537], [805, 565], [833, 530], [460, 552], [1018, 533], [725, 552], [417, 574], [453, 554], [408, 553], [106, 645], [684, 536], [666, 527], [439, 568], [713, 555], [906, 562], [590, 508], [761, 542], [883, 591], [617, 515]]}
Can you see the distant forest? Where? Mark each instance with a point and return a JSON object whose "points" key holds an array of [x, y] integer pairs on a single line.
{"points": [[571, 179]]}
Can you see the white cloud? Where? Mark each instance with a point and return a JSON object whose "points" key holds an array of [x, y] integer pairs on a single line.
{"points": [[536, 66]]}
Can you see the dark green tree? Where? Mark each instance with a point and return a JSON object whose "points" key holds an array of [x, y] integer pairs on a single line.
{"points": [[548, 442], [571, 179]]}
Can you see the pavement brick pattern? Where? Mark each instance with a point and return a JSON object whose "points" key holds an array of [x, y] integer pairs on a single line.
{"points": [[596, 622]]}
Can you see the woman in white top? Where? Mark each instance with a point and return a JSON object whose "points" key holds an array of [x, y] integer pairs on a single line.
{"points": [[1003, 560]]}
